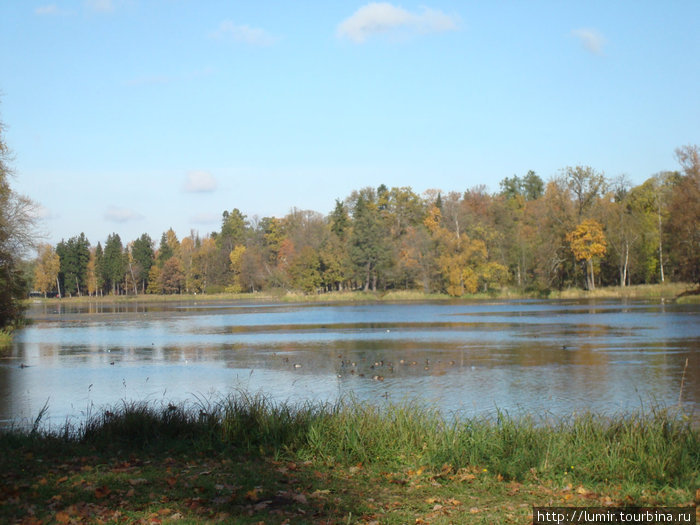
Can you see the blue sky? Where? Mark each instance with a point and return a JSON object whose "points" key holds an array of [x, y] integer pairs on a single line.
{"points": [[134, 116]]}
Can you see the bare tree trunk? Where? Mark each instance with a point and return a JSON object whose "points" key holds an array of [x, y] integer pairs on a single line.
{"points": [[58, 287], [624, 261], [661, 248], [133, 279]]}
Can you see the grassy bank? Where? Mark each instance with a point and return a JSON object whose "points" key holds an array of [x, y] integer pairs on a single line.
{"points": [[246, 460], [5, 337], [648, 291]]}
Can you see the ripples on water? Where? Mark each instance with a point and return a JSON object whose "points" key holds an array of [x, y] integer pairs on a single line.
{"points": [[466, 358]]}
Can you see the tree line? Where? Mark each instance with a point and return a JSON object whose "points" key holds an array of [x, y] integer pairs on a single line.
{"points": [[579, 229]]}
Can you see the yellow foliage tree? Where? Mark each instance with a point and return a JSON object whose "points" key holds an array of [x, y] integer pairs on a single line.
{"points": [[154, 281], [236, 257], [587, 242], [46, 269]]}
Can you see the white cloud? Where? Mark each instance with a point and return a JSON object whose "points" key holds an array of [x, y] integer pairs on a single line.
{"points": [[200, 182], [205, 218], [591, 39], [101, 6], [115, 214], [243, 33], [378, 18]]}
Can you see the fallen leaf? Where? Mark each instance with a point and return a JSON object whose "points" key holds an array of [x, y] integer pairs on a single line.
{"points": [[253, 495], [171, 480], [62, 517], [102, 492]]}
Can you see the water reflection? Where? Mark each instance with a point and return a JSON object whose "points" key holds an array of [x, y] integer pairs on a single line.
{"points": [[466, 358]]}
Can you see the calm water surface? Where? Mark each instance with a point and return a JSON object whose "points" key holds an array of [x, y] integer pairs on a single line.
{"points": [[470, 358]]}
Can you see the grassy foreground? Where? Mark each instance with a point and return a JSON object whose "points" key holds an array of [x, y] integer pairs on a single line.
{"points": [[246, 460]]}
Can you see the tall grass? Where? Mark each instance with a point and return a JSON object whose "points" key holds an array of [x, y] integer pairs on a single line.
{"points": [[5, 337], [653, 450], [638, 291], [642, 291], [657, 449]]}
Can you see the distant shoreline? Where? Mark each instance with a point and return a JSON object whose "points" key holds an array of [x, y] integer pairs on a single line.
{"points": [[681, 292]]}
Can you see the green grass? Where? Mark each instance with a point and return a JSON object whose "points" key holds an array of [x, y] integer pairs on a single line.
{"points": [[5, 337], [245, 459]]}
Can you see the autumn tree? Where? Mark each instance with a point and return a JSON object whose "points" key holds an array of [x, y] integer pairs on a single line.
{"points": [[252, 277], [305, 271], [203, 260], [463, 262], [336, 267], [46, 269], [171, 277], [587, 242], [236, 258]]}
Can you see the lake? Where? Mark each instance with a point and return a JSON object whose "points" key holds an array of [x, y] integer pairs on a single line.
{"points": [[468, 358]]}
